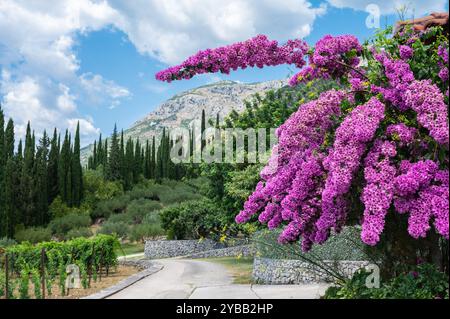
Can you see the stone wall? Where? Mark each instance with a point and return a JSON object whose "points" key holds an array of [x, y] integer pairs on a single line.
{"points": [[243, 250], [287, 271], [155, 249]]}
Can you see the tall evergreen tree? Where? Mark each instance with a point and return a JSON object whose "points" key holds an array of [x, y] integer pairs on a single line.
{"points": [[9, 140], [41, 216], [26, 181], [123, 171], [64, 169], [2, 173], [77, 173], [113, 171], [202, 130], [153, 159], [52, 170], [129, 160]]}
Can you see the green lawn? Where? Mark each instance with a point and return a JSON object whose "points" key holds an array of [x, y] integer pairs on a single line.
{"points": [[130, 248], [240, 268]]}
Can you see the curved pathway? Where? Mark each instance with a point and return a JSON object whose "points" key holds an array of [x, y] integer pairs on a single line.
{"points": [[195, 279]]}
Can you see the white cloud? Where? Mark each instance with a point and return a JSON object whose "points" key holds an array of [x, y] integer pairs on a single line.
{"points": [[170, 30], [22, 102], [66, 101], [88, 131], [39, 80], [416, 8], [99, 91]]}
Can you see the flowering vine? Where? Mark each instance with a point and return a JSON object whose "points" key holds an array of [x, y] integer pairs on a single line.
{"points": [[382, 142]]}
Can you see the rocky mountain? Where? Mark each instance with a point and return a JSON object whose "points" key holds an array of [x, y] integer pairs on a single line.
{"points": [[179, 111]]}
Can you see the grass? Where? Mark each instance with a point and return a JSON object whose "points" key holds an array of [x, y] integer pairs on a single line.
{"points": [[130, 248], [240, 268]]}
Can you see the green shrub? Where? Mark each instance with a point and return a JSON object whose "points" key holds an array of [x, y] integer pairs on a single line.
{"points": [[143, 231], [5, 242], [344, 246], [191, 219], [152, 218], [78, 232], [62, 225], [58, 208], [33, 235], [106, 208], [425, 281], [137, 209], [121, 218], [120, 229], [97, 189]]}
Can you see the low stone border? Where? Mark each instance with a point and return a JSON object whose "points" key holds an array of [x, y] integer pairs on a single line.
{"points": [[149, 269], [244, 251], [155, 249], [287, 271]]}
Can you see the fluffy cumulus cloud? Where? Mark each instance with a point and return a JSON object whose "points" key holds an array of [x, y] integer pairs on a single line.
{"points": [[170, 30], [40, 72], [40, 80], [414, 8]]}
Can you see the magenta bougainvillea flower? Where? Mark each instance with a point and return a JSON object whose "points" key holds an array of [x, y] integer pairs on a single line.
{"points": [[382, 140], [258, 51]]}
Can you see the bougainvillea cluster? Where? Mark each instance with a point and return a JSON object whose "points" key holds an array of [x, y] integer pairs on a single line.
{"points": [[381, 144], [258, 51]]}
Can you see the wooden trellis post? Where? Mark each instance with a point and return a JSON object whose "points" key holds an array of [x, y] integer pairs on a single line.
{"points": [[6, 276], [43, 272]]}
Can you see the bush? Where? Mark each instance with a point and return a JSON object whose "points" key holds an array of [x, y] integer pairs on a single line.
{"points": [[97, 189], [106, 208], [343, 246], [143, 231], [191, 220], [120, 229], [62, 225], [5, 242], [138, 208], [33, 235], [425, 281], [152, 218], [58, 208], [78, 232], [120, 218]]}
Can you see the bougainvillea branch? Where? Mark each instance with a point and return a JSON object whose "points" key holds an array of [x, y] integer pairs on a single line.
{"points": [[258, 51], [385, 150]]}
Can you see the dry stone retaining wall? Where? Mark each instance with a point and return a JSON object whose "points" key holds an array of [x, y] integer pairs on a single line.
{"points": [[287, 271], [155, 249]]}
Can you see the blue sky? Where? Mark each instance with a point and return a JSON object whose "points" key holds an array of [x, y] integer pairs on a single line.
{"points": [[94, 61]]}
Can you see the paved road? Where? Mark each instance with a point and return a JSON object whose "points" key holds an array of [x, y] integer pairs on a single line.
{"points": [[194, 279]]}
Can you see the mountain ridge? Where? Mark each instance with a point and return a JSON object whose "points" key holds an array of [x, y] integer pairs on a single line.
{"points": [[183, 108]]}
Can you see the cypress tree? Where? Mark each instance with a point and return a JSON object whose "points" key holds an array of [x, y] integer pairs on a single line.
{"points": [[9, 140], [77, 177], [137, 161], [123, 171], [99, 155], [153, 159], [105, 154], [26, 181], [202, 130], [113, 171], [147, 160], [94, 157], [41, 182], [129, 158], [2, 173], [53, 159], [64, 168]]}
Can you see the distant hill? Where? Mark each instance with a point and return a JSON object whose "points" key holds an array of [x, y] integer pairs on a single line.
{"points": [[180, 110]]}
